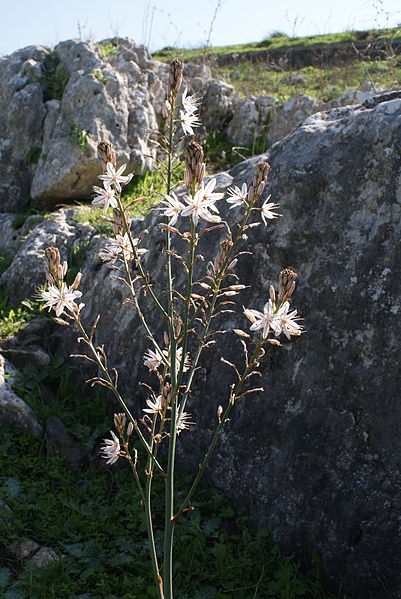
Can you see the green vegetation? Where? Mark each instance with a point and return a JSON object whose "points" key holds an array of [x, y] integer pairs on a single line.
{"points": [[94, 520], [34, 154], [109, 48], [100, 77], [12, 317], [54, 78], [79, 137], [324, 83], [281, 40]]}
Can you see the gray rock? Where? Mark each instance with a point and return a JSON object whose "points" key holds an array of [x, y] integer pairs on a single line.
{"points": [[44, 556], [251, 120], [23, 355], [13, 409], [62, 442], [23, 548], [293, 112]]}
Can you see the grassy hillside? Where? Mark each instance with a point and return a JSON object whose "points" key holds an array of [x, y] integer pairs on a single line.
{"points": [[323, 80]]}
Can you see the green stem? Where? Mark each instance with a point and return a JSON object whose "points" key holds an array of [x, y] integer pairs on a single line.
{"points": [[149, 520]]}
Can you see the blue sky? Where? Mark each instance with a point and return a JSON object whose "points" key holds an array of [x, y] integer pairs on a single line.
{"points": [[186, 23]]}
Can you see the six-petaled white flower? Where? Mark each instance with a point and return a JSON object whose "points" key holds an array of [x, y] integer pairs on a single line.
{"points": [[111, 449], [121, 245], [154, 407], [202, 202], [105, 197], [266, 210], [173, 208], [188, 120], [116, 178], [189, 103], [60, 298], [262, 320], [183, 422], [286, 322], [237, 196]]}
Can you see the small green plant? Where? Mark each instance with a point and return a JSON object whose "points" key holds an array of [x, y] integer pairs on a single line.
{"points": [[109, 48], [220, 154], [34, 154], [100, 77], [13, 317], [79, 137], [54, 78]]}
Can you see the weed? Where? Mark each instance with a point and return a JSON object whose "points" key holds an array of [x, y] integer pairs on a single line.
{"points": [[12, 317], [219, 153], [54, 77], [100, 77], [34, 154], [79, 137], [109, 48]]}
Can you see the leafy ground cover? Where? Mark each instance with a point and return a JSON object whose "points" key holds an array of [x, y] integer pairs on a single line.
{"points": [[94, 520]]}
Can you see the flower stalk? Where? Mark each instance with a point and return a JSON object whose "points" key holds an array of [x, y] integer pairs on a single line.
{"points": [[189, 315]]}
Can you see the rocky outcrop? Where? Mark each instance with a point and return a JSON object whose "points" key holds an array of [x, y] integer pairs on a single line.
{"points": [[56, 105]]}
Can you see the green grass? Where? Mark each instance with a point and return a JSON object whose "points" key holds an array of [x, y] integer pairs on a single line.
{"points": [[93, 518], [325, 83], [279, 40]]}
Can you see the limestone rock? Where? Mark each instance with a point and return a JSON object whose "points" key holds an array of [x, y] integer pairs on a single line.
{"points": [[293, 112], [12, 408], [251, 121]]}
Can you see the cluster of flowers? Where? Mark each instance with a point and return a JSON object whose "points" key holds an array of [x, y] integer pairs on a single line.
{"points": [[276, 316], [199, 205], [59, 296]]}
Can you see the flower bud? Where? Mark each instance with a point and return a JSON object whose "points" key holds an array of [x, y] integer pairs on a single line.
{"points": [[286, 284], [175, 78], [130, 429], [195, 167], [53, 260], [106, 154]]}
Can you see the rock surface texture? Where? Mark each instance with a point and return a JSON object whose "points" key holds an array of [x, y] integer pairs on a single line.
{"points": [[317, 456], [57, 105]]}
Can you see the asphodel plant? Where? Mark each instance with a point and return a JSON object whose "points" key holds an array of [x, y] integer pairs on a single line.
{"points": [[188, 314]]}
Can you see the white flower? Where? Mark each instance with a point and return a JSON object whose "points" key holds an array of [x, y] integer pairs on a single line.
{"points": [[188, 120], [266, 210], [189, 103], [152, 359], [174, 208], [285, 322], [154, 407], [237, 196], [115, 178], [105, 197], [203, 201], [60, 299], [183, 422], [262, 320], [111, 449], [121, 245]]}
